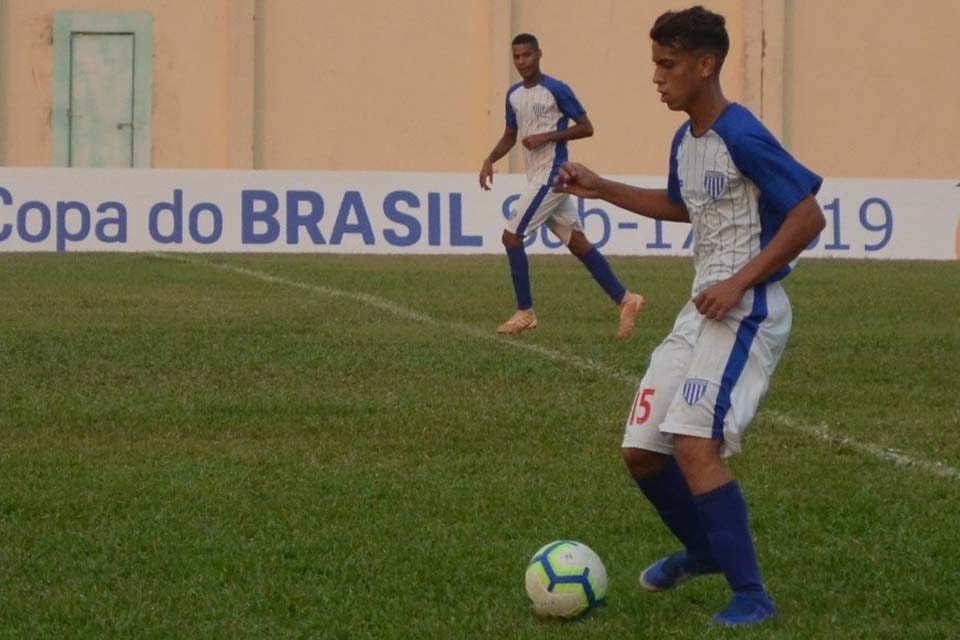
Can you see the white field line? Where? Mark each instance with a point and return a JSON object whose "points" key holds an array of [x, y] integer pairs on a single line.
{"points": [[583, 364], [823, 433], [819, 432]]}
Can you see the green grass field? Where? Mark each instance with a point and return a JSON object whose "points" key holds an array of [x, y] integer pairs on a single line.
{"points": [[340, 447]]}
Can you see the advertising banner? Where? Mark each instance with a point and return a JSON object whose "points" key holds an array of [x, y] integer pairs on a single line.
{"points": [[408, 213]]}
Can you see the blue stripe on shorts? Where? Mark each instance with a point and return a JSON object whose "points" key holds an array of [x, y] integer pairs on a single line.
{"points": [[534, 205], [746, 332]]}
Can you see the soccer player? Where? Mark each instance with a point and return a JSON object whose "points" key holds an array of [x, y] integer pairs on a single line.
{"points": [[753, 211], [538, 111]]}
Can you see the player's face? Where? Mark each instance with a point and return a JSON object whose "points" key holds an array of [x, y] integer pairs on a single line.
{"points": [[678, 76], [527, 60]]}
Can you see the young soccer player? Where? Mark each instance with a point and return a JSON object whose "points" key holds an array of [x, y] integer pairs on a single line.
{"points": [[538, 110], [753, 211]]}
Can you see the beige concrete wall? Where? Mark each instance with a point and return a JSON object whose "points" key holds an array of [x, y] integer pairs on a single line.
{"points": [[372, 84], [872, 88], [376, 89], [602, 50], [194, 90], [856, 88]]}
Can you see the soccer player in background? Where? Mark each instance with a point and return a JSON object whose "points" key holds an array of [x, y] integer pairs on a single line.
{"points": [[538, 110], [753, 211]]}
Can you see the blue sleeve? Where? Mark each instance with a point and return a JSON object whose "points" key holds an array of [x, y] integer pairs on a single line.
{"points": [[511, 116], [673, 180], [783, 181], [566, 101]]}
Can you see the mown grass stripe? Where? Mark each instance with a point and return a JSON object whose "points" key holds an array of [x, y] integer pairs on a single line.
{"points": [[821, 433]]}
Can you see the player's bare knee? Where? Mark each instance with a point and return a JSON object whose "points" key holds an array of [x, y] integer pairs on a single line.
{"points": [[695, 452], [699, 460], [511, 240], [578, 244], [643, 463]]}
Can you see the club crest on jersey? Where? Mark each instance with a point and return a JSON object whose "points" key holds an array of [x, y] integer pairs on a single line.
{"points": [[714, 183], [693, 390]]}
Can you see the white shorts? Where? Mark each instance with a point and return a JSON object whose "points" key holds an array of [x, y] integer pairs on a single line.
{"points": [[539, 204], [708, 377]]}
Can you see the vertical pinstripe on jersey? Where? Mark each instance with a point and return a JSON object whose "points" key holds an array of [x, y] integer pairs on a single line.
{"points": [[537, 111], [725, 221]]}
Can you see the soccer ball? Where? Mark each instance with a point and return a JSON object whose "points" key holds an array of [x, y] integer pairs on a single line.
{"points": [[565, 579]]}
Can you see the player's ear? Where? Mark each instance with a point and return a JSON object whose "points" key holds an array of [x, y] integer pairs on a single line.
{"points": [[707, 65]]}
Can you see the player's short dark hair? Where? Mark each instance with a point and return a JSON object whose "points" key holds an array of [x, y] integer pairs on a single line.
{"points": [[695, 29], [527, 38]]}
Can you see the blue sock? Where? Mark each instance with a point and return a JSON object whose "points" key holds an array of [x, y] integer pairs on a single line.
{"points": [[724, 516], [603, 274], [520, 274], [670, 495]]}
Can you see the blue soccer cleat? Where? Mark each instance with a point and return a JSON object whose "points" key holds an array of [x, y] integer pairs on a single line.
{"points": [[750, 607], [672, 571]]}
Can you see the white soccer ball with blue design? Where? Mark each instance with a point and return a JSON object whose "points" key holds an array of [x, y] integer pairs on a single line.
{"points": [[566, 579]]}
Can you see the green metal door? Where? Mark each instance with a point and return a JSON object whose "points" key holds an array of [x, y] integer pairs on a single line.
{"points": [[102, 88], [101, 100]]}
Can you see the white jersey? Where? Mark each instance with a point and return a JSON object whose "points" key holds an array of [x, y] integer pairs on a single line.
{"points": [[738, 183], [546, 107], [708, 377]]}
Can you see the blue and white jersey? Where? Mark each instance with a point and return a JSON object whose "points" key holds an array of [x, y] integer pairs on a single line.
{"points": [[545, 107], [738, 184]]}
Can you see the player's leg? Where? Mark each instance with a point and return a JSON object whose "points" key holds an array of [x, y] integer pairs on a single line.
{"points": [[597, 265], [661, 481], [565, 224], [728, 376], [523, 318], [726, 521], [647, 453], [527, 215]]}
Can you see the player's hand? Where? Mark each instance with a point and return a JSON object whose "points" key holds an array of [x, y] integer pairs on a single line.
{"points": [[535, 141], [716, 300], [576, 179], [486, 175]]}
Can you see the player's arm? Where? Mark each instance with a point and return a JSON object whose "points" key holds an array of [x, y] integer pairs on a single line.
{"points": [[799, 228], [507, 140], [576, 179], [582, 129]]}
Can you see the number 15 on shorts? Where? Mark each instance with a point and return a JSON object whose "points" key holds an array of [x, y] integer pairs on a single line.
{"points": [[641, 406]]}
